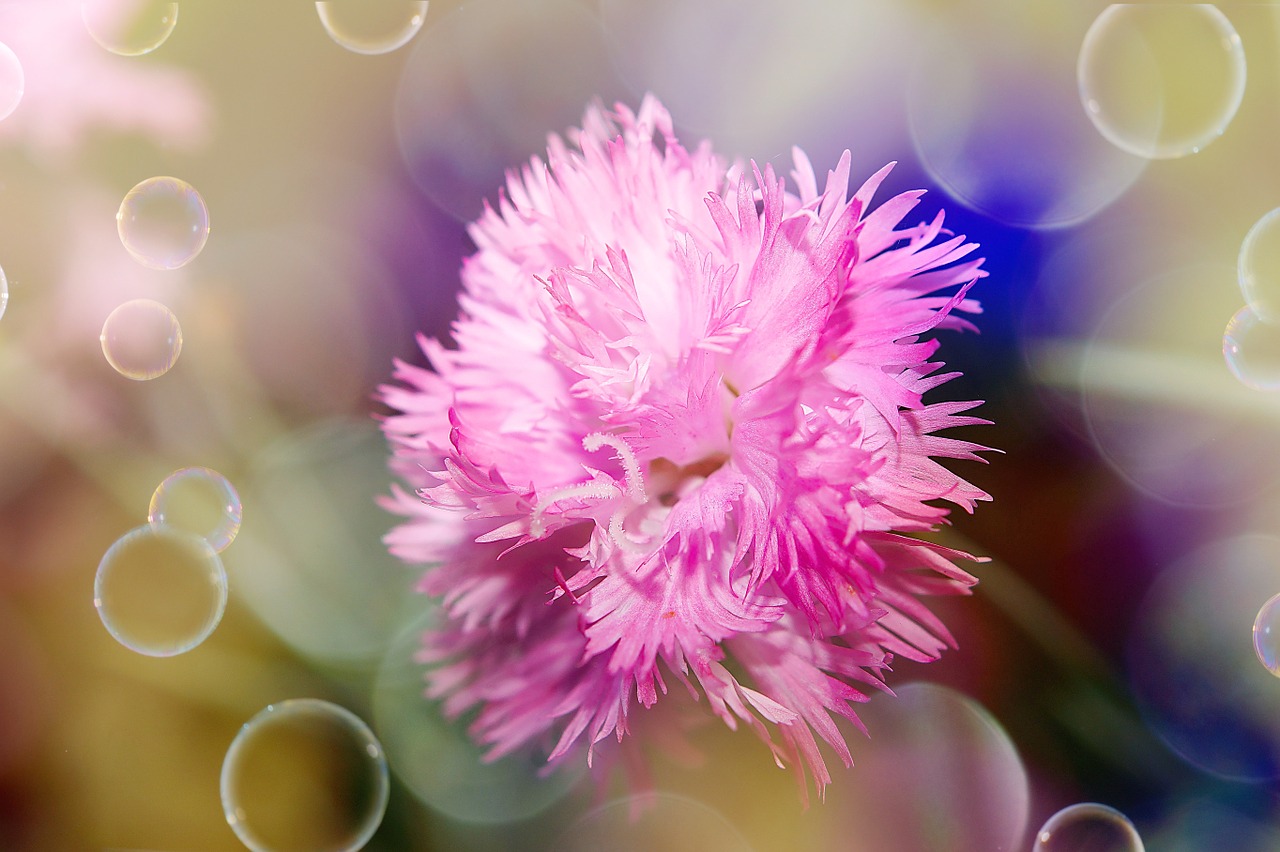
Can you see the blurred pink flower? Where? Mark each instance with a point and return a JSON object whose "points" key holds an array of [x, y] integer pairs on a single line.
{"points": [[74, 86], [679, 439]]}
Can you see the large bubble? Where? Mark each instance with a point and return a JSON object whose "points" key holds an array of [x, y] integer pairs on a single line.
{"points": [[437, 760], [305, 774], [938, 772], [160, 591], [995, 121], [1192, 662], [652, 821], [372, 27], [1160, 404], [1161, 80]]}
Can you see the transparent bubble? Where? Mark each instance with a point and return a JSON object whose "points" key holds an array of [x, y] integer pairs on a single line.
{"points": [[372, 27], [993, 117], [439, 763], [1160, 403], [652, 821], [1266, 635], [12, 81], [938, 772], [1161, 80], [1088, 827], [160, 591], [479, 91], [163, 222], [1252, 349], [314, 496], [690, 56], [1259, 267], [4, 292], [200, 501], [130, 27], [141, 339], [1193, 671], [304, 774]]}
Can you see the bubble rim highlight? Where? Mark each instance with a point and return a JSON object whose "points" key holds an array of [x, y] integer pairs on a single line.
{"points": [[1246, 275], [220, 576], [7, 55], [1272, 605], [1241, 324], [372, 747]]}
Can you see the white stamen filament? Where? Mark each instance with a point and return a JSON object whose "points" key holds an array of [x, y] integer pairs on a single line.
{"points": [[630, 464], [633, 490], [620, 536], [584, 490]]}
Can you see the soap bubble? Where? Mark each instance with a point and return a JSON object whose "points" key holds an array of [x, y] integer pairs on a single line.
{"points": [[304, 774], [1088, 827], [939, 772], [1251, 346], [1266, 635], [1193, 670], [12, 81], [994, 119], [1161, 80], [160, 591], [1259, 267], [435, 758], [163, 222], [372, 27], [652, 821], [200, 501], [141, 339], [129, 28]]}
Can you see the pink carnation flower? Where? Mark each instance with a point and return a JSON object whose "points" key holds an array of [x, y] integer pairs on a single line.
{"points": [[680, 439]]}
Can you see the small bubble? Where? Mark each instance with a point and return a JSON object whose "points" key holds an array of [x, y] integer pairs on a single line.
{"points": [[304, 774], [129, 29], [200, 501], [1258, 267], [163, 222], [372, 27], [1088, 827], [141, 339], [4, 292], [12, 81], [1161, 80], [1252, 349], [160, 591], [1266, 635]]}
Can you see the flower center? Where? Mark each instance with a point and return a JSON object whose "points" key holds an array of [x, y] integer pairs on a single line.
{"points": [[671, 482]]}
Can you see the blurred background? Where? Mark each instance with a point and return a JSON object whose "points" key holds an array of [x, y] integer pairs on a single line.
{"points": [[1111, 161]]}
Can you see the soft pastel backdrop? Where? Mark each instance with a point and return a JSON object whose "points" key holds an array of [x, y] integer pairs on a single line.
{"points": [[1135, 528]]}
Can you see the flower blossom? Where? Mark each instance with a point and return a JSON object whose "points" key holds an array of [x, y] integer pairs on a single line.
{"points": [[681, 442]]}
